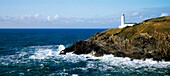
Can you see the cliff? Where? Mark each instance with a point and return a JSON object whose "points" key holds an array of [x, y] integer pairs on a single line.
{"points": [[148, 39]]}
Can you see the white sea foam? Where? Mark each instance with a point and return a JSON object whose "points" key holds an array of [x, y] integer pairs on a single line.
{"points": [[104, 63], [135, 63], [108, 62], [61, 47], [74, 74], [42, 53]]}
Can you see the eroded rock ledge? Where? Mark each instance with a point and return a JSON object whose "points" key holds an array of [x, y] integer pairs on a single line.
{"points": [[148, 39]]}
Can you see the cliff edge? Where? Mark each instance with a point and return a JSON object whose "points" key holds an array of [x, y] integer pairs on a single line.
{"points": [[148, 39]]}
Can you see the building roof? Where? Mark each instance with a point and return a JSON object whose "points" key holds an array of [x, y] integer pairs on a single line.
{"points": [[131, 23]]}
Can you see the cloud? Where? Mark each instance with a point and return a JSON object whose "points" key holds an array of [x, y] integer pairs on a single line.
{"points": [[52, 18], [164, 14], [55, 21], [141, 17], [135, 14], [37, 15], [49, 18], [56, 16]]}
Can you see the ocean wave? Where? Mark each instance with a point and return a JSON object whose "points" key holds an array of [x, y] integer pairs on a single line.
{"points": [[42, 54], [108, 59]]}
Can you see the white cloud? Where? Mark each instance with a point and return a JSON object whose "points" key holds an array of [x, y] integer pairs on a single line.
{"points": [[56, 16], [26, 17], [135, 13], [52, 18], [49, 18], [164, 14], [141, 17], [37, 15], [41, 21]]}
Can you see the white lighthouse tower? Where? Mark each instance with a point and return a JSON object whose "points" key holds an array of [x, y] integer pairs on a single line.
{"points": [[122, 20], [123, 24]]}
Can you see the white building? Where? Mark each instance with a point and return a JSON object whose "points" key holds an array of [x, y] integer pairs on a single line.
{"points": [[123, 24]]}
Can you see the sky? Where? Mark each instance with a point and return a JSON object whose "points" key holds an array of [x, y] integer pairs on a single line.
{"points": [[78, 13]]}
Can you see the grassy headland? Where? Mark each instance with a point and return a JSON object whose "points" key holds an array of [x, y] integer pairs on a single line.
{"points": [[148, 39]]}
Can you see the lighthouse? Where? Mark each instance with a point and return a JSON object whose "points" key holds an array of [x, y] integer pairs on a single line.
{"points": [[122, 20], [123, 24]]}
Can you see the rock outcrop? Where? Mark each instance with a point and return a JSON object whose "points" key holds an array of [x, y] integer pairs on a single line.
{"points": [[148, 39]]}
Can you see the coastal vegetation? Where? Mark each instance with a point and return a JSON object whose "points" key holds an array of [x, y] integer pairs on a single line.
{"points": [[147, 39]]}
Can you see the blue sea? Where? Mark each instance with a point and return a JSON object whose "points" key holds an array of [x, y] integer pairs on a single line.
{"points": [[35, 52]]}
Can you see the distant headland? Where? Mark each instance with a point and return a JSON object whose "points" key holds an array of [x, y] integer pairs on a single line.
{"points": [[147, 39]]}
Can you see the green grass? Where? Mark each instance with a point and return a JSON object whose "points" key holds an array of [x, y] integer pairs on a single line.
{"points": [[150, 26], [161, 25]]}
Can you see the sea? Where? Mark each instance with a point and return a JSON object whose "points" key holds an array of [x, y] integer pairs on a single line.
{"points": [[35, 52]]}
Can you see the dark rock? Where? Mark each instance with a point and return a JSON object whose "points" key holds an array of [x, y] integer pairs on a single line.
{"points": [[84, 47], [144, 40], [120, 54]]}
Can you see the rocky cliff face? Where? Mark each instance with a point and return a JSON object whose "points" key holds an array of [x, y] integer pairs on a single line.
{"points": [[148, 39]]}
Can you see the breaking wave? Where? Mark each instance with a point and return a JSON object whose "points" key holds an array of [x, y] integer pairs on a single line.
{"points": [[108, 60], [42, 53], [48, 55]]}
